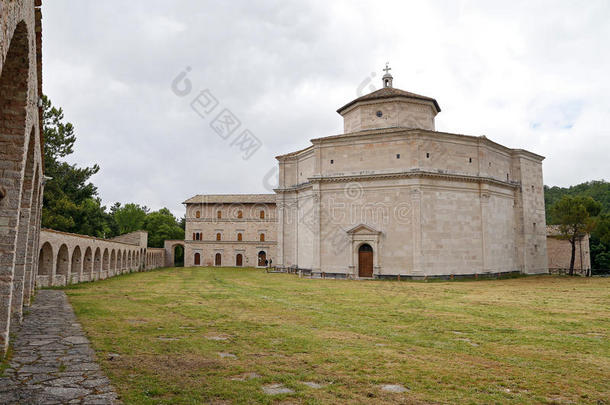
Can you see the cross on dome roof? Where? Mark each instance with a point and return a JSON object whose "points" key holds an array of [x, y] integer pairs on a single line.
{"points": [[387, 68], [387, 78]]}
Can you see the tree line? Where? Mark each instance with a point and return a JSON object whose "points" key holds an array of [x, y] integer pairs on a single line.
{"points": [[71, 202], [582, 209]]}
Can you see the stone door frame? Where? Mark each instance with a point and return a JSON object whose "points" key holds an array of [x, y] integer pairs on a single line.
{"points": [[358, 236]]}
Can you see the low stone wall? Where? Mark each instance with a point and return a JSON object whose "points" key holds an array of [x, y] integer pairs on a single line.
{"points": [[560, 252], [66, 258]]}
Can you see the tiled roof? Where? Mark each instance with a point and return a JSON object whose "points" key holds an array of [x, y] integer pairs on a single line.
{"points": [[389, 92], [231, 198]]}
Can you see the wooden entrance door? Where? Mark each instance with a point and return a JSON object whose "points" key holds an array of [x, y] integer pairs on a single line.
{"points": [[262, 256], [197, 259], [238, 260], [365, 261], [218, 259]]}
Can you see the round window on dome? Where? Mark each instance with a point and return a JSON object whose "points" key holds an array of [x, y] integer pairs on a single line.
{"points": [[379, 114]]}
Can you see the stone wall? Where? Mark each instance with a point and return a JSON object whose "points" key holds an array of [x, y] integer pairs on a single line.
{"points": [[66, 258], [429, 203], [20, 156], [560, 252]]}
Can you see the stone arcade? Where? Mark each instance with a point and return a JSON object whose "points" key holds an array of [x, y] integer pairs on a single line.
{"points": [[29, 257], [20, 156], [392, 196]]}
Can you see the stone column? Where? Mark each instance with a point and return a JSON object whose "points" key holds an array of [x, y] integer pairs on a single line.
{"points": [[280, 230]]}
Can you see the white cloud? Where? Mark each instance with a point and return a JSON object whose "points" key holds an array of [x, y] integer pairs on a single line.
{"points": [[528, 75]]}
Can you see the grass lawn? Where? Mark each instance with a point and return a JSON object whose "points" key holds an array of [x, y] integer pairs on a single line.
{"points": [[525, 340]]}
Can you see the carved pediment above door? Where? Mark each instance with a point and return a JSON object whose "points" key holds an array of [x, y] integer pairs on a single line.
{"points": [[363, 229]]}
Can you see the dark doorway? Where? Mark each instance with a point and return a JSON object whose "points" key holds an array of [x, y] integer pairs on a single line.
{"points": [[262, 256], [197, 259], [239, 260], [178, 256], [218, 259], [365, 261]]}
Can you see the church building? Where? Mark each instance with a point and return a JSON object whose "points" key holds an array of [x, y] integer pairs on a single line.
{"points": [[392, 196]]}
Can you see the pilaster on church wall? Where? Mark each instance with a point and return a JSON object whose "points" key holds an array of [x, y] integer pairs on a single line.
{"points": [[417, 230]]}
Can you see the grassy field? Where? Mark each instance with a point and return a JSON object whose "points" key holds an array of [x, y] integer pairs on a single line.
{"points": [[192, 335]]}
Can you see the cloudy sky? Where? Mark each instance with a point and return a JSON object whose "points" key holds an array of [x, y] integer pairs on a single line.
{"points": [[531, 75]]}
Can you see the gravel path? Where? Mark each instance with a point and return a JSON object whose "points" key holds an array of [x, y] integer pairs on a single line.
{"points": [[52, 360]]}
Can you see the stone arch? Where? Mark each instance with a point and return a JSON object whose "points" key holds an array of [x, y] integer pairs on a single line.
{"points": [[124, 259], [119, 262], [76, 265], [13, 140], [31, 260], [261, 257], [105, 260], [177, 256], [112, 261], [88, 263], [24, 231], [97, 263], [45, 260], [62, 266]]}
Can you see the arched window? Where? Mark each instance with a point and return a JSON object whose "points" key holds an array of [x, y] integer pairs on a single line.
{"points": [[262, 214], [194, 236], [197, 259], [218, 236], [240, 214], [262, 237], [198, 214], [218, 214], [239, 236]]}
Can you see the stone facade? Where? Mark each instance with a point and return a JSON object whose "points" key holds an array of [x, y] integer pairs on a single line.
{"points": [[67, 258], [389, 197], [560, 253], [230, 230], [21, 171], [425, 203]]}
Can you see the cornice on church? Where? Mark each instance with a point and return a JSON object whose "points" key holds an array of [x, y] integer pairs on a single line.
{"points": [[413, 173]]}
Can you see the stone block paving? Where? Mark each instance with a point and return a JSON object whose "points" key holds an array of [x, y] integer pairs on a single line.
{"points": [[52, 361]]}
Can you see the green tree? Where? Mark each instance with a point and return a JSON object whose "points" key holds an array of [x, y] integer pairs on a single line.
{"points": [[162, 225], [70, 201], [575, 217], [129, 218]]}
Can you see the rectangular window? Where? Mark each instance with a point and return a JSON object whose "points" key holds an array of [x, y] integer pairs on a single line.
{"points": [[427, 155], [398, 156], [332, 161]]}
